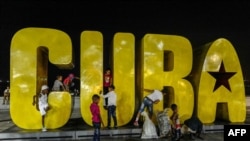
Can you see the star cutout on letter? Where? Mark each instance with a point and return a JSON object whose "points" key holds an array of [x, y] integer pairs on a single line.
{"points": [[222, 77]]}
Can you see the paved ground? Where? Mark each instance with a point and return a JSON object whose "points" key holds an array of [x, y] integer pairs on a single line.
{"points": [[207, 137], [7, 125]]}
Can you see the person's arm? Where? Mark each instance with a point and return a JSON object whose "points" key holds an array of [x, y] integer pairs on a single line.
{"points": [[63, 87], [111, 80], [148, 90], [97, 111], [104, 96], [101, 120], [174, 120], [76, 77], [156, 101]]}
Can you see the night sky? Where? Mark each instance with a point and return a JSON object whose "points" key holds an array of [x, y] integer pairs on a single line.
{"points": [[201, 22]]}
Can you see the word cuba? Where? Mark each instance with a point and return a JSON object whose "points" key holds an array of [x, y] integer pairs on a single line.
{"points": [[197, 81]]}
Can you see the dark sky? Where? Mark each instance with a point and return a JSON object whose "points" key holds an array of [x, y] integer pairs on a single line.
{"points": [[200, 22]]}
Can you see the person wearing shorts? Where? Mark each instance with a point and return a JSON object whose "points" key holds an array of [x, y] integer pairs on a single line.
{"points": [[43, 104]]}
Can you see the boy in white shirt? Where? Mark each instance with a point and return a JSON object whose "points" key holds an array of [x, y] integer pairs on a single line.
{"points": [[111, 95], [154, 97]]}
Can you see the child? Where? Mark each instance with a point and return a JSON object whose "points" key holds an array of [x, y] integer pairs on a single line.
{"points": [[96, 117], [43, 105], [69, 82], [111, 95], [58, 85], [107, 81], [154, 97], [176, 125]]}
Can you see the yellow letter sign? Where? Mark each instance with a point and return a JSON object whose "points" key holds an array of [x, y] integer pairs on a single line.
{"points": [[176, 53], [162, 61], [220, 85], [124, 76], [91, 72], [29, 70]]}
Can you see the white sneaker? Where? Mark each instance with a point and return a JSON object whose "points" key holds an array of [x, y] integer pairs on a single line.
{"points": [[44, 129]]}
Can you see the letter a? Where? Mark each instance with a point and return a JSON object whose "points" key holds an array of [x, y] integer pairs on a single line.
{"points": [[231, 132]]}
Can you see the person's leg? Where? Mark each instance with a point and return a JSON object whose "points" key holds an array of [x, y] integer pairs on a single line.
{"points": [[113, 112], [4, 99], [144, 104], [8, 99], [109, 116], [105, 91], [43, 121], [199, 130], [43, 124], [42, 109], [98, 131], [139, 113], [173, 134], [97, 127], [150, 110], [95, 132], [178, 134]]}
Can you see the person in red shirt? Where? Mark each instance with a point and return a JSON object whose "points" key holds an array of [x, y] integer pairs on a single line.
{"points": [[107, 81], [96, 117], [68, 81]]}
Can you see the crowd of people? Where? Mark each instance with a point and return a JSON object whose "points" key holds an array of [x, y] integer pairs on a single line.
{"points": [[192, 126]]}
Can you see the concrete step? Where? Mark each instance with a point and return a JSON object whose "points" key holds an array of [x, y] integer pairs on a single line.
{"points": [[64, 134]]}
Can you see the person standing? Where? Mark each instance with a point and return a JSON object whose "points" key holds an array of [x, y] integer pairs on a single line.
{"points": [[43, 105], [176, 125], [58, 85], [96, 117], [107, 81], [6, 95], [154, 97], [111, 96]]}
